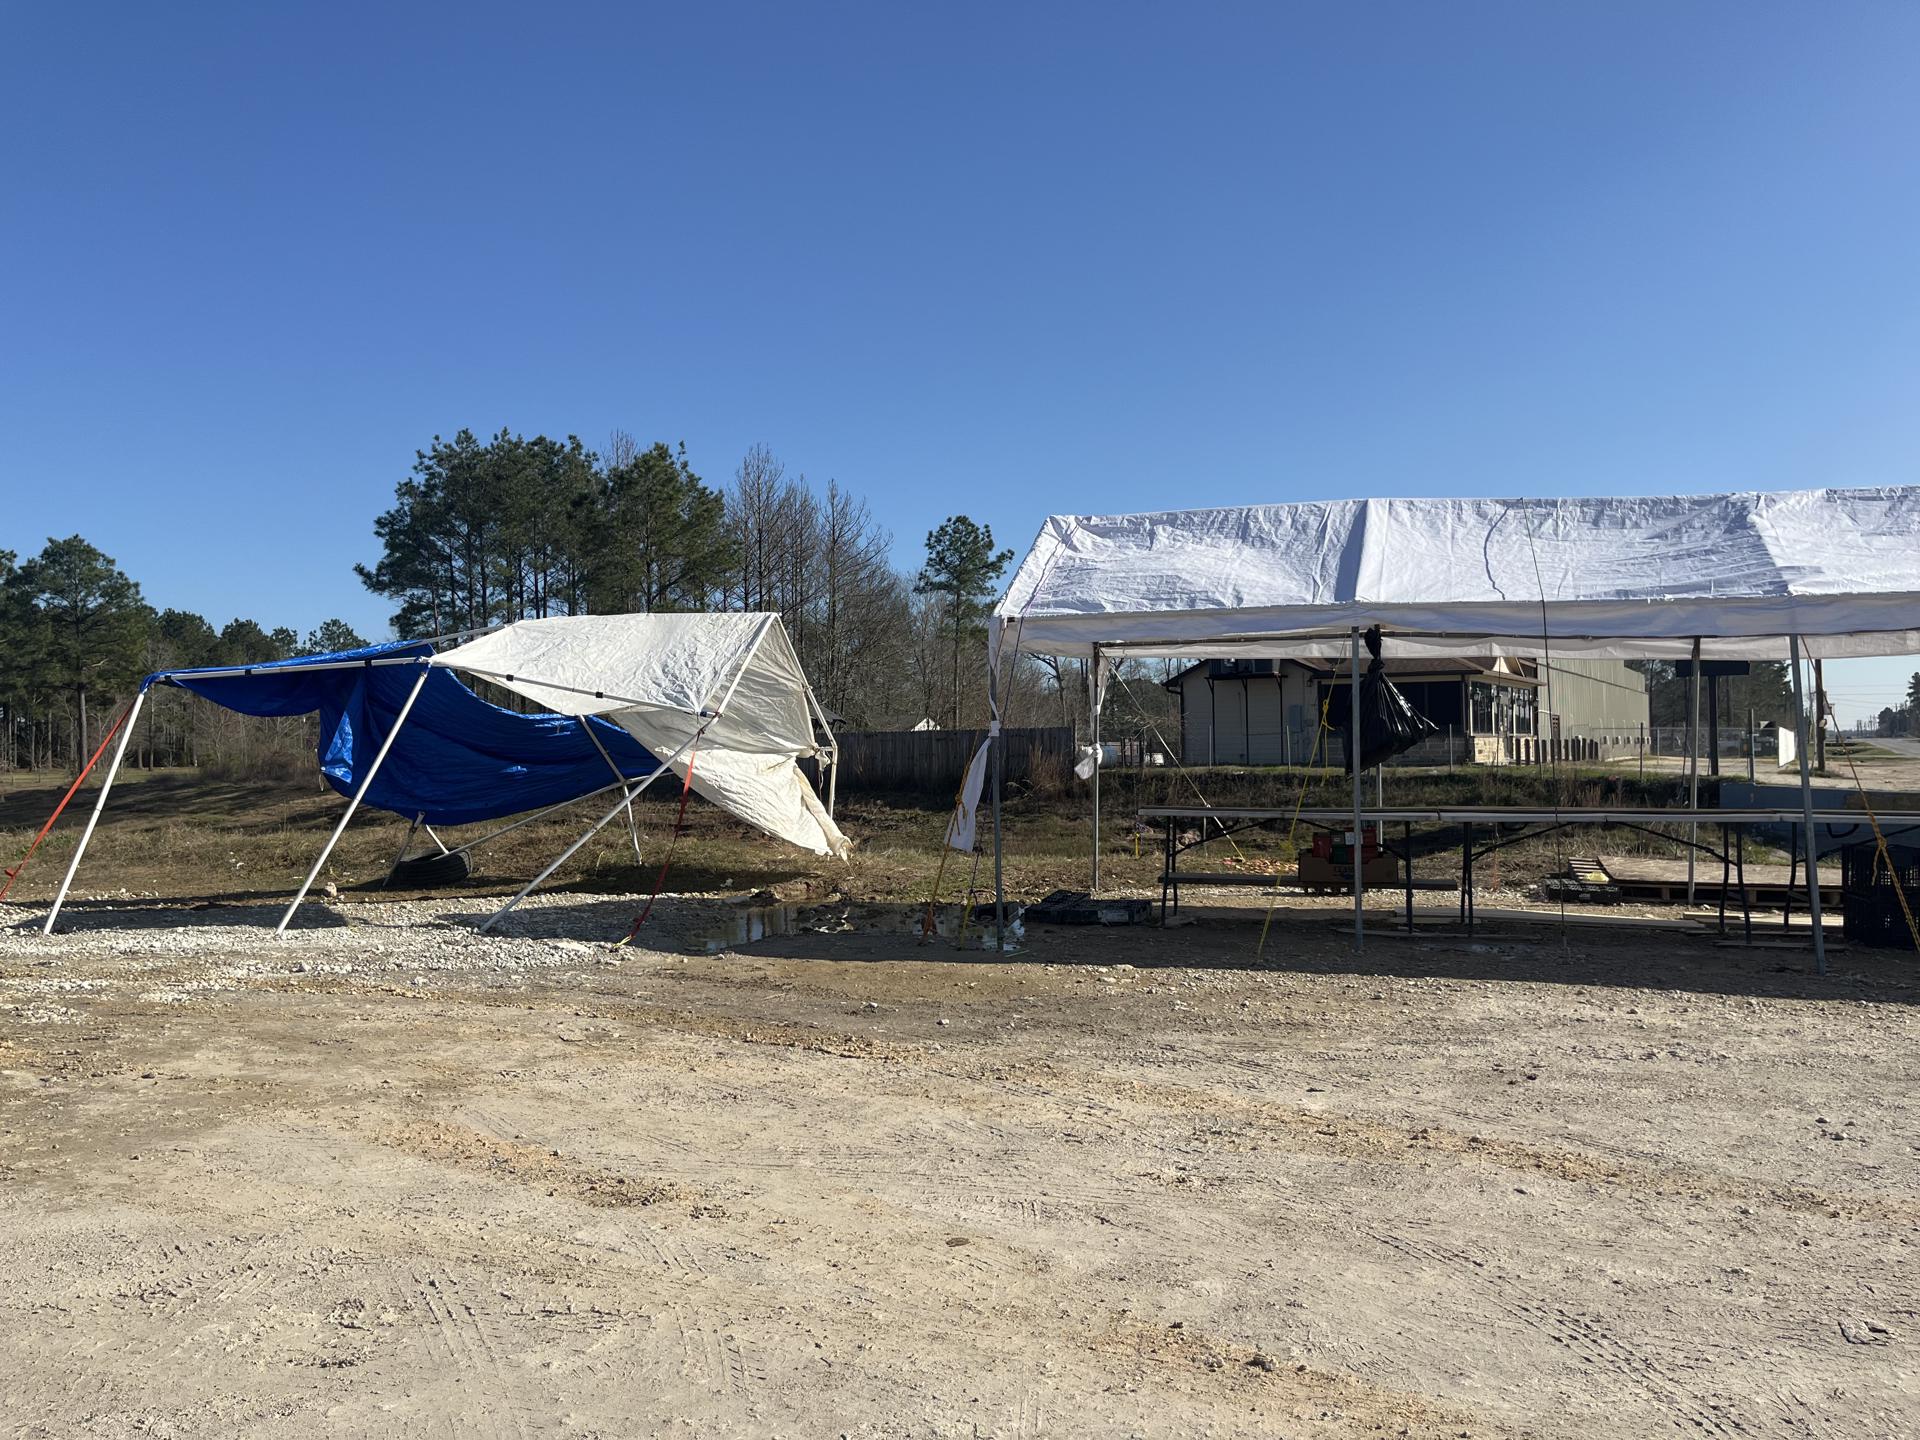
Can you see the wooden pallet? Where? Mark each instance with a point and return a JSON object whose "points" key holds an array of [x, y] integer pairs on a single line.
{"points": [[1641, 877]]}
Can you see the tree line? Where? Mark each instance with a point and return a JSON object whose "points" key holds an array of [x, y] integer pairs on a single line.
{"points": [[487, 531]]}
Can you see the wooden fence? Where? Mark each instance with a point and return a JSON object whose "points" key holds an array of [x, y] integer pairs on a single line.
{"points": [[930, 762]]}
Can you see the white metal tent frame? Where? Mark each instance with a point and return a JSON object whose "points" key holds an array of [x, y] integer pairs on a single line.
{"points": [[711, 709], [1772, 576]]}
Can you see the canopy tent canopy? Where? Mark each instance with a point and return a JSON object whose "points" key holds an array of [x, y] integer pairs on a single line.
{"points": [[719, 700], [1627, 577], [456, 761]]}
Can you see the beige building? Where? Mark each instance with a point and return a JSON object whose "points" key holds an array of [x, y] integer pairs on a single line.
{"points": [[1489, 711]]}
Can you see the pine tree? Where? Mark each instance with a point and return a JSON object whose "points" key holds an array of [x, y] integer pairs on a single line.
{"points": [[961, 569], [93, 622]]}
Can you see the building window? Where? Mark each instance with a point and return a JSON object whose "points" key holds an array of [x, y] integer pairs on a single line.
{"points": [[1480, 697], [1523, 712]]}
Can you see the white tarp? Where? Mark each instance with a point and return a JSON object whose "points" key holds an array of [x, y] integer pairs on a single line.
{"points": [[731, 678], [1628, 577]]}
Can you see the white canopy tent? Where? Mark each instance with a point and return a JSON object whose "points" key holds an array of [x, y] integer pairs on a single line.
{"points": [[720, 695], [1824, 573]]}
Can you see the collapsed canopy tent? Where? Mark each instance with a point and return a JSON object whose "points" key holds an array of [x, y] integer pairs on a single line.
{"points": [[723, 692], [720, 699], [1746, 576]]}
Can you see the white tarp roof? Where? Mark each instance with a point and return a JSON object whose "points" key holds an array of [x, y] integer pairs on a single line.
{"points": [[1631, 576], [662, 678]]}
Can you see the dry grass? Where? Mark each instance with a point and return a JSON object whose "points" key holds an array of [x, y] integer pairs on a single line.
{"points": [[187, 835]]}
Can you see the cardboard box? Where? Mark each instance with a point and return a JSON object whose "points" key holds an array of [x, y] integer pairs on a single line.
{"points": [[1382, 871]]}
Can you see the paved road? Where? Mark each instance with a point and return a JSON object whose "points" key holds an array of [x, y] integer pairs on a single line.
{"points": [[1910, 749]]}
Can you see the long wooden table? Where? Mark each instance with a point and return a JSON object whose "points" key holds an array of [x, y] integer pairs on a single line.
{"points": [[1218, 821]]}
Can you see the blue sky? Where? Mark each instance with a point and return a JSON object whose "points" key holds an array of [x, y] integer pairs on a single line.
{"points": [[1006, 260]]}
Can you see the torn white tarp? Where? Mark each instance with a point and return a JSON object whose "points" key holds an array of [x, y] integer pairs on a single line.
{"points": [[1627, 576], [731, 680]]}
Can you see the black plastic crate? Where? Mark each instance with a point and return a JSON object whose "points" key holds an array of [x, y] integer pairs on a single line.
{"points": [[1869, 906]]}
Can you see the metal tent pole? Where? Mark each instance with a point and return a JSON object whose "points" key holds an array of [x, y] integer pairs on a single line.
{"points": [[1693, 764], [354, 804], [1353, 763], [993, 739], [633, 822], [1806, 812], [627, 794], [99, 804], [1093, 707], [419, 819]]}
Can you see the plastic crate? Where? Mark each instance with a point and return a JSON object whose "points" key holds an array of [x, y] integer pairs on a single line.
{"points": [[1870, 909]]}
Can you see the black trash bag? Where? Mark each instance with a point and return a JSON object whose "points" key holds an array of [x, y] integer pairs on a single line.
{"points": [[1389, 726]]}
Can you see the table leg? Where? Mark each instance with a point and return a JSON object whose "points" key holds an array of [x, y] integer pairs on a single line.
{"points": [[1726, 875], [1406, 840], [1746, 901]]}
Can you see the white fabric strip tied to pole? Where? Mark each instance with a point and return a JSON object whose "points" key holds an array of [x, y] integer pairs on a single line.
{"points": [[962, 827]]}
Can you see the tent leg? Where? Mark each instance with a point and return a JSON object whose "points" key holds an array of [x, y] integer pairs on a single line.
{"points": [[633, 821], [993, 759], [1693, 767], [436, 840], [523, 820], [1806, 814], [565, 855], [627, 795], [354, 804], [1353, 763], [401, 853], [99, 804], [1093, 726]]}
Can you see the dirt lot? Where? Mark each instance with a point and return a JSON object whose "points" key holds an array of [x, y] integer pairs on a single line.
{"points": [[386, 1178]]}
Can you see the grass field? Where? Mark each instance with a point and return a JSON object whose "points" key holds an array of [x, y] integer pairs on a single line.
{"points": [[178, 835]]}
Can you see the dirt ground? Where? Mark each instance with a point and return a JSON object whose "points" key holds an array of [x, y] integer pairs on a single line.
{"points": [[1541, 1183]]}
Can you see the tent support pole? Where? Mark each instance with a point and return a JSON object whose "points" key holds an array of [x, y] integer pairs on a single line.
{"points": [[523, 820], [993, 739], [401, 854], [565, 855], [1693, 765], [627, 795], [354, 804], [633, 823], [1353, 764], [1806, 813], [436, 840], [1093, 727], [73, 865]]}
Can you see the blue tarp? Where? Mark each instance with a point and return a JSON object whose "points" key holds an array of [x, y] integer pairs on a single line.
{"points": [[458, 759]]}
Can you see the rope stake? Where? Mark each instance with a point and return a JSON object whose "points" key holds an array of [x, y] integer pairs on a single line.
{"points": [[679, 827], [72, 790]]}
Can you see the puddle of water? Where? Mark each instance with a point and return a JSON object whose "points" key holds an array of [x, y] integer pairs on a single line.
{"points": [[755, 922], [761, 922]]}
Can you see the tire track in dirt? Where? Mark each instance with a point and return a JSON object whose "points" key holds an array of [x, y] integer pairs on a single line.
{"points": [[473, 1356], [1594, 1344], [1354, 1138]]}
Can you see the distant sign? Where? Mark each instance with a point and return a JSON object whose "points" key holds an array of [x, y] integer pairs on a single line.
{"points": [[1713, 669]]}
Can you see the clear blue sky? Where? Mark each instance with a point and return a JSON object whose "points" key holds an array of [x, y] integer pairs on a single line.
{"points": [[1000, 260]]}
